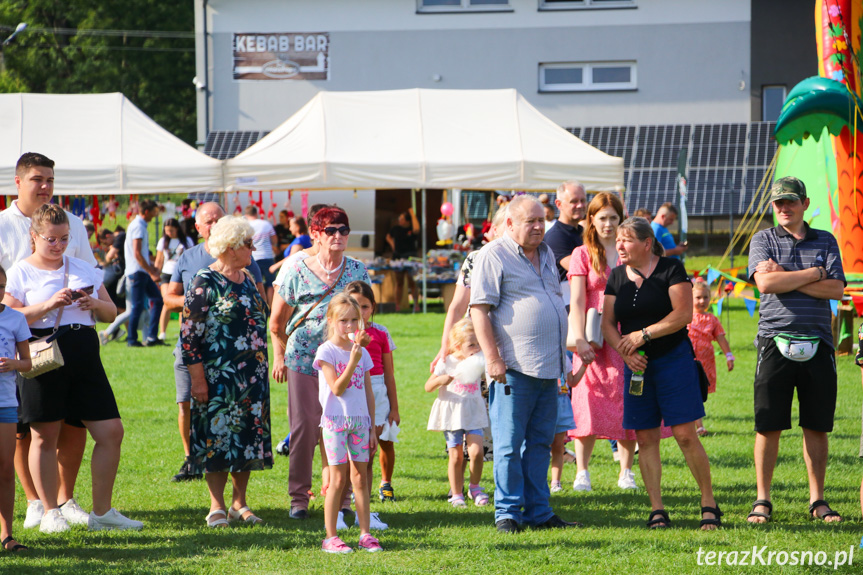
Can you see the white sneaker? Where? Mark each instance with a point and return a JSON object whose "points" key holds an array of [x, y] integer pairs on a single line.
{"points": [[73, 513], [582, 481], [340, 522], [53, 522], [35, 511], [627, 480], [113, 520], [555, 487], [374, 522]]}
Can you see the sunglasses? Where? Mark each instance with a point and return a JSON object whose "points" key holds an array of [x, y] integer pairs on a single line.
{"points": [[247, 242], [331, 230]]}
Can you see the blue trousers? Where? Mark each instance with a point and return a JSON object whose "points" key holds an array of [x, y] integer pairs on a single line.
{"points": [[142, 288], [522, 427]]}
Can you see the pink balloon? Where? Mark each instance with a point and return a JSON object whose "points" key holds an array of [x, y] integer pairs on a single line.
{"points": [[446, 209]]}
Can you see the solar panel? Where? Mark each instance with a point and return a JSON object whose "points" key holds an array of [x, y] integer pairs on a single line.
{"points": [[224, 144]]}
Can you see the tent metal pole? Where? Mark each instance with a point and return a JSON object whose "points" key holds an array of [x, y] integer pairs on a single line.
{"points": [[423, 254]]}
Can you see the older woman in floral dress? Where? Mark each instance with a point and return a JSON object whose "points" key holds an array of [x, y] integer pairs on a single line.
{"points": [[224, 345]]}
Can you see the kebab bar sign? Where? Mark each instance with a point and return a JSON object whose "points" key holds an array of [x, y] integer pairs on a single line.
{"points": [[283, 56]]}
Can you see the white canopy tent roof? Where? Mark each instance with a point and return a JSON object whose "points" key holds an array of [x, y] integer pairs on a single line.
{"points": [[466, 139], [102, 144]]}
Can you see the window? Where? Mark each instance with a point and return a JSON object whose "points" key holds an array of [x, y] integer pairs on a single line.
{"points": [[587, 76], [772, 98], [579, 4], [462, 5]]}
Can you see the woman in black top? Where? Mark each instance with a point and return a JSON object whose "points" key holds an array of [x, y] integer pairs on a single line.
{"points": [[650, 296]]}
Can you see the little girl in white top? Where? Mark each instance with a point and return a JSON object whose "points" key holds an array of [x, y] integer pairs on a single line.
{"points": [[460, 411], [345, 393]]}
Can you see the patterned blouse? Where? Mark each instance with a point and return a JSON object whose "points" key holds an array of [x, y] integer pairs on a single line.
{"points": [[301, 289]]}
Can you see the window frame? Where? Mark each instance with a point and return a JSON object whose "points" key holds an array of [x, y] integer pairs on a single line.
{"points": [[587, 84], [465, 7], [550, 5], [766, 87]]}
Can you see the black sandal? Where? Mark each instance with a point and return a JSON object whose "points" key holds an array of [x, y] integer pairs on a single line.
{"points": [[828, 513], [661, 522], [15, 548], [761, 503], [717, 520]]}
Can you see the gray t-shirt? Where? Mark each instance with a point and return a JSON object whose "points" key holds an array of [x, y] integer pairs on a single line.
{"points": [[794, 312], [527, 311]]}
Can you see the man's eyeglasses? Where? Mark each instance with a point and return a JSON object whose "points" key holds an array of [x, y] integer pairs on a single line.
{"points": [[331, 230], [54, 241]]}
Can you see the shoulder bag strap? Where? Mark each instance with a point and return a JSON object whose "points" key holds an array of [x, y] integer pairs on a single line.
{"points": [[320, 299], [65, 284]]}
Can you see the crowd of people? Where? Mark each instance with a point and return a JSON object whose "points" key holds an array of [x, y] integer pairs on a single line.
{"points": [[582, 330]]}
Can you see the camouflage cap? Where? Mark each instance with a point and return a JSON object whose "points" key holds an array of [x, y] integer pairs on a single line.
{"points": [[788, 188]]}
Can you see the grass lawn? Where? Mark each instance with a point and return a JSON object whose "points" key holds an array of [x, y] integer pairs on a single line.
{"points": [[426, 534]]}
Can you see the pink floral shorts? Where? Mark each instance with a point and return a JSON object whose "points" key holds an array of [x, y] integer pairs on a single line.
{"points": [[343, 443]]}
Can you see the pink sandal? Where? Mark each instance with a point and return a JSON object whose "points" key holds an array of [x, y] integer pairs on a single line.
{"points": [[478, 494]]}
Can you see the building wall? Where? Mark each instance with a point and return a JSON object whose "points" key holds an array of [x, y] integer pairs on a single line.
{"points": [[691, 57], [783, 46]]}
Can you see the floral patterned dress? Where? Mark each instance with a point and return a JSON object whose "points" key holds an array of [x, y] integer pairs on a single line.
{"points": [[597, 401], [225, 328]]}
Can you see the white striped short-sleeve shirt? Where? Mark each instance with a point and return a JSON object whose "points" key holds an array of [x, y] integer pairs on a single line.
{"points": [[527, 312]]}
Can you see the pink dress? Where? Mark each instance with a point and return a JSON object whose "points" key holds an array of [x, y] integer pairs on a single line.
{"points": [[703, 331], [597, 401]]}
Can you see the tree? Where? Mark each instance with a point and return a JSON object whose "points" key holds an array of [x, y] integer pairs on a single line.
{"points": [[79, 46]]}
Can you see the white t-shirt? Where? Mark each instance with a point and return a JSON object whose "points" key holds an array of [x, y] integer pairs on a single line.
{"points": [[15, 234], [31, 285], [263, 244], [13, 329], [352, 406], [137, 230], [172, 253], [286, 267]]}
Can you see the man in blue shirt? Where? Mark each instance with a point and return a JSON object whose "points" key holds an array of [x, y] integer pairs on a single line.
{"points": [[565, 235], [191, 261], [665, 218]]}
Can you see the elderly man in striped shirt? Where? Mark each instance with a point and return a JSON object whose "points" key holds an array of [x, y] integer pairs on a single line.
{"points": [[797, 269], [520, 321]]}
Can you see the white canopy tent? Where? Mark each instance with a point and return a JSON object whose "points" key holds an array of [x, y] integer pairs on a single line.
{"points": [[102, 144], [464, 139]]}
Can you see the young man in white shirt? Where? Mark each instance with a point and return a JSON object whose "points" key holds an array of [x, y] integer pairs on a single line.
{"points": [[141, 277], [266, 243], [34, 178]]}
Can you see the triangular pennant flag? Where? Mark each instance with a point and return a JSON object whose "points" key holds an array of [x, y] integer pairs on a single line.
{"points": [[715, 309], [858, 303], [733, 272], [750, 306], [738, 287], [834, 306], [712, 274], [719, 307]]}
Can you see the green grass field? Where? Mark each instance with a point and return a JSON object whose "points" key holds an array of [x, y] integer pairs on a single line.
{"points": [[426, 534]]}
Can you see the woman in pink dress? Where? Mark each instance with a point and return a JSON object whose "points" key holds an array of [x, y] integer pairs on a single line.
{"points": [[597, 401]]}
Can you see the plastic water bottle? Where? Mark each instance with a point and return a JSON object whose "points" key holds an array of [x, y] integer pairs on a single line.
{"points": [[636, 382]]}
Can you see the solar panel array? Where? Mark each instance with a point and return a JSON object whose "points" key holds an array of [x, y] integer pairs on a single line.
{"points": [[725, 163], [224, 144]]}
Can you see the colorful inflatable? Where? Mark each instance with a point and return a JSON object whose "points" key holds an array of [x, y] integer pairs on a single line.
{"points": [[820, 131]]}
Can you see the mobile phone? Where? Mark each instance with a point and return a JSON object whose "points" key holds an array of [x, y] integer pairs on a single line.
{"points": [[76, 294]]}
